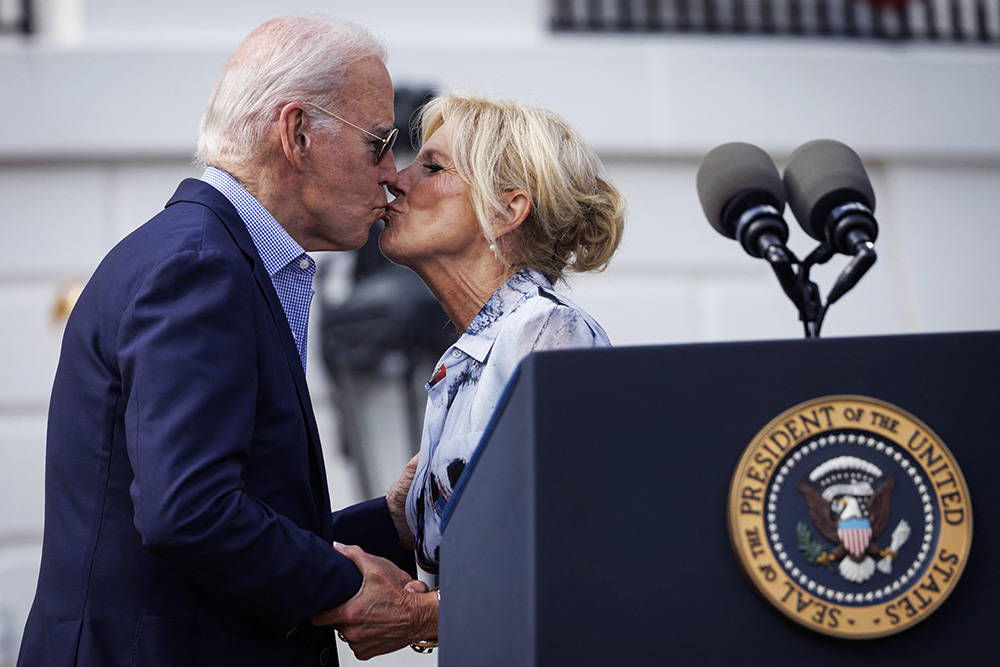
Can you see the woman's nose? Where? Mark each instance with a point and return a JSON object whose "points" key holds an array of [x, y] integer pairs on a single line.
{"points": [[401, 184]]}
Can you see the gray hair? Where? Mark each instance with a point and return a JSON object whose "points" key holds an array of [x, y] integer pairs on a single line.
{"points": [[286, 59]]}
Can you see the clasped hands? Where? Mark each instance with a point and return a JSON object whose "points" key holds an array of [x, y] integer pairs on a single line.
{"points": [[390, 610]]}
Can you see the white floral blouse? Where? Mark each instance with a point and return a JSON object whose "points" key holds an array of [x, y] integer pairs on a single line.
{"points": [[524, 315]]}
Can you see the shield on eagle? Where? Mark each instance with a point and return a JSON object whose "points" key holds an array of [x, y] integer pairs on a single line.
{"points": [[855, 534]]}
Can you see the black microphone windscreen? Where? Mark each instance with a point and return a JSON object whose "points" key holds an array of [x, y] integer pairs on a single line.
{"points": [[732, 169], [821, 175]]}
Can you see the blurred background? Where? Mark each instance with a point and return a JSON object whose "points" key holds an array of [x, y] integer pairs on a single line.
{"points": [[100, 102]]}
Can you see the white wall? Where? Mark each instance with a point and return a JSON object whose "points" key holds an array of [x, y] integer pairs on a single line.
{"points": [[99, 115]]}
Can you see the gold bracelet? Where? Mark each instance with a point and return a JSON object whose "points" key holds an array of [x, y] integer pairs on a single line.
{"points": [[424, 647], [429, 645]]}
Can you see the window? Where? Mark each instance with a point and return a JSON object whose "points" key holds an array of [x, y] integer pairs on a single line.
{"points": [[16, 17], [950, 21]]}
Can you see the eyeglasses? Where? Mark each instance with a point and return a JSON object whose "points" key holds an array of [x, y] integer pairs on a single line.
{"points": [[386, 143]]}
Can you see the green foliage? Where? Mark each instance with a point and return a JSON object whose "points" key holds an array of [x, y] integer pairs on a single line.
{"points": [[809, 547]]}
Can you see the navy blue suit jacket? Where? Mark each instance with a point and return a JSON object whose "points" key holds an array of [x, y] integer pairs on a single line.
{"points": [[187, 518]]}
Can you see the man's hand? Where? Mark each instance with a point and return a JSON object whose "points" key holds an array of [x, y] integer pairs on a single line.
{"points": [[397, 503], [389, 612]]}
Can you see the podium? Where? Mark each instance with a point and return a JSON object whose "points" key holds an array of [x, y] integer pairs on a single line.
{"points": [[591, 526]]}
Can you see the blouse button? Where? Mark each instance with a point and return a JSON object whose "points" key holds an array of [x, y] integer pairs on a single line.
{"points": [[304, 264]]}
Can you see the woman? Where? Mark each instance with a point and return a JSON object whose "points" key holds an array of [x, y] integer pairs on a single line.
{"points": [[499, 204]]}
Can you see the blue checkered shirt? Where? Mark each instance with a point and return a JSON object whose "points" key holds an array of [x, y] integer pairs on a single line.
{"points": [[290, 268]]}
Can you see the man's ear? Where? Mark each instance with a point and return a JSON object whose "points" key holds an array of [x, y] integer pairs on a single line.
{"points": [[295, 131], [517, 206]]}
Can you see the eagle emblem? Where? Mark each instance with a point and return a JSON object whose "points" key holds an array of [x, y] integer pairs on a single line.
{"points": [[849, 501]]}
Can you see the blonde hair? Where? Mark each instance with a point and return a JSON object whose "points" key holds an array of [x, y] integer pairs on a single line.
{"points": [[577, 215], [290, 58]]}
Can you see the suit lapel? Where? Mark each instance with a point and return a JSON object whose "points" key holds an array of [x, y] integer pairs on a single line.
{"points": [[196, 191]]}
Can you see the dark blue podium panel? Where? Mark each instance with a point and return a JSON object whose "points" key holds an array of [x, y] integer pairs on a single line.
{"points": [[591, 527]]}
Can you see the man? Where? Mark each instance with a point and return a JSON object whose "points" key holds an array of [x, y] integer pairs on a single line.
{"points": [[187, 515]]}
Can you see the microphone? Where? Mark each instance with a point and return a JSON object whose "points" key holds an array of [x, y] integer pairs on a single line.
{"points": [[833, 200], [743, 198], [831, 196]]}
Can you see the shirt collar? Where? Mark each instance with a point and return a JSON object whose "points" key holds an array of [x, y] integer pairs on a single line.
{"points": [[276, 248], [478, 339]]}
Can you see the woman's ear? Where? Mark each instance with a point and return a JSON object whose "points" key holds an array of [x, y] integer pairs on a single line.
{"points": [[295, 132], [517, 206]]}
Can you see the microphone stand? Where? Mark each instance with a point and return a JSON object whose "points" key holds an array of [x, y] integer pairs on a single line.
{"points": [[812, 312], [796, 284], [793, 275]]}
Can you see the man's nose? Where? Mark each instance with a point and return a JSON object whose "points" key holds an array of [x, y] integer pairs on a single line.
{"points": [[387, 174]]}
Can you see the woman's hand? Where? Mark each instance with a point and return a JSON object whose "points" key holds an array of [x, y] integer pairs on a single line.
{"points": [[397, 503]]}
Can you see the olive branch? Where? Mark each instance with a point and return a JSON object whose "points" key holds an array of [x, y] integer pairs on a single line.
{"points": [[810, 548]]}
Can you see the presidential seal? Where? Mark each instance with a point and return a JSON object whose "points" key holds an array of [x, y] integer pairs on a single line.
{"points": [[850, 516]]}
